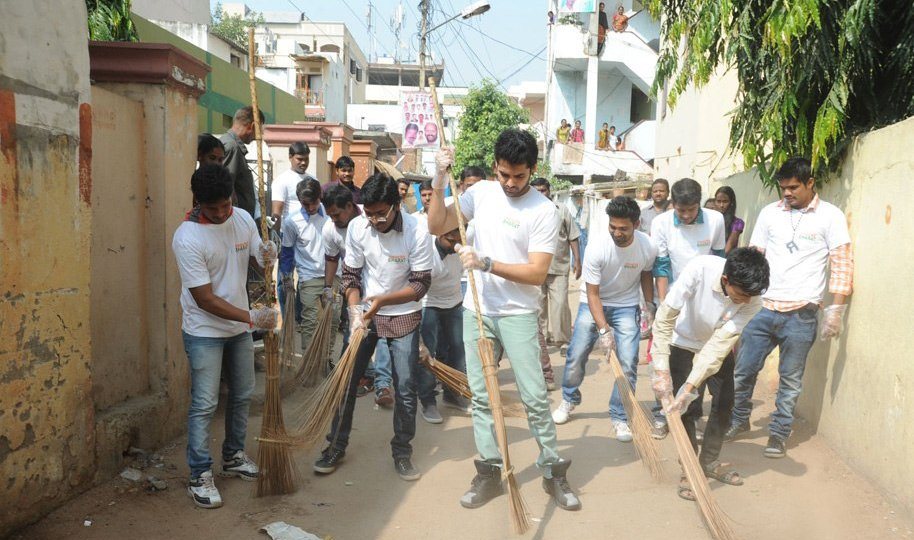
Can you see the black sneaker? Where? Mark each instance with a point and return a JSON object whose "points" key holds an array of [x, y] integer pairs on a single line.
{"points": [[734, 431], [329, 461], [775, 448], [406, 470]]}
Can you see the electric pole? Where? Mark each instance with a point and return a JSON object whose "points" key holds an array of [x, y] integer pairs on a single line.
{"points": [[423, 8]]}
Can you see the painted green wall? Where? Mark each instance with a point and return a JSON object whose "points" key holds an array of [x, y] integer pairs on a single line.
{"points": [[227, 87]]}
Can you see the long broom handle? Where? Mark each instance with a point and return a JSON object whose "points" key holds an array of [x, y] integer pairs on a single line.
{"points": [[261, 183], [461, 225]]}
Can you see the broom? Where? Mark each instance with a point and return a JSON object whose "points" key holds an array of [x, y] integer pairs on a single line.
{"points": [[518, 509], [641, 424], [717, 522], [287, 337], [315, 356], [277, 470]]}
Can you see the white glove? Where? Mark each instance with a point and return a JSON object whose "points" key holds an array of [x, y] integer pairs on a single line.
{"points": [[271, 222], [264, 318], [647, 317], [444, 159], [683, 400], [356, 319], [472, 259], [268, 253], [832, 321], [327, 296], [607, 342]]}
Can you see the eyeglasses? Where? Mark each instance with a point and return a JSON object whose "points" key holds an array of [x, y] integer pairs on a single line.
{"points": [[379, 218]]}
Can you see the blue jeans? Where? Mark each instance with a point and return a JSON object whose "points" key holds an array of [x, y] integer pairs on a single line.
{"points": [[626, 325], [405, 354], [206, 359], [442, 333], [382, 368], [793, 333]]}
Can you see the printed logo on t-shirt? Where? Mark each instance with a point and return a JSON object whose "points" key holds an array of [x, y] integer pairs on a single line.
{"points": [[242, 246], [810, 237], [397, 259], [631, 265], [703, 243], [511, 222]]}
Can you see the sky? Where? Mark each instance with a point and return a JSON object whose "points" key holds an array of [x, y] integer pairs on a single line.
{"points": [[469, 48]]}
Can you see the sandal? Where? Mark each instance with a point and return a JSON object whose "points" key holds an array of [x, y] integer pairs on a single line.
{"points": [[719, 471], [685, 490]]}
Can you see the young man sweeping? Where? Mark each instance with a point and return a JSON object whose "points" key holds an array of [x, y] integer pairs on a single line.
{"points": [[695, 330], [799, 235], [615, 275], [213, 248], [388, 269], [514, 241]]}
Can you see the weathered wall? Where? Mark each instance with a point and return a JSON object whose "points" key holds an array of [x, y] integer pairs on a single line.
{"points": [[46, 429]]}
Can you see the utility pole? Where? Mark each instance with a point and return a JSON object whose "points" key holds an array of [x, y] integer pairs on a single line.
{"points": [[423, 8], [371, 52]]}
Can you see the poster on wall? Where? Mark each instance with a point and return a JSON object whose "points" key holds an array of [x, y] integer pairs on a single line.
{"points": [[577, 6], [420, 130]]}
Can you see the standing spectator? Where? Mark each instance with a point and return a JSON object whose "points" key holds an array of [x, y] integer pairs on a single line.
{"points": [[425, 195], [345, 173], [563, 133], [577, 134], [209, 150], [660, 192], [725, 199], [550, 17], [403, 186], [469, 176], [710, 203], [603, 28], [620, 144], [800, 235], [620, 19], [235, 141], [603, 137], [285, 197]]}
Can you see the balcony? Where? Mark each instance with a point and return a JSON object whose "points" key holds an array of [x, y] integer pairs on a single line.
{"points": [[314, 104], [588, 161]]}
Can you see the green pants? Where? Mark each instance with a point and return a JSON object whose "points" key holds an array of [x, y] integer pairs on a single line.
{"points": [[516, 336], [309, 293]]}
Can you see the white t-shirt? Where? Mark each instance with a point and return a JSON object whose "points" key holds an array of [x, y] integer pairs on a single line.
{"points": [[799, 275], [703, 306], [617, 270], [284, 191], [219, 255], [508, 229], [388, 258], [305, 233], [682, 243], [444, 292]]}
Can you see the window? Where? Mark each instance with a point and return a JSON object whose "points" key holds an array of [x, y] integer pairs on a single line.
{"points": [[235, 60], [358, 74]]}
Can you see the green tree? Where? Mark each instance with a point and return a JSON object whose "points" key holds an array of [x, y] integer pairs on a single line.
{"points": [[109, 20], [233, 28], [812, 73], [487, 111]]}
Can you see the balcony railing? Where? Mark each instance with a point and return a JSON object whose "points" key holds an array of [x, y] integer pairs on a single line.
{"points": [[310, 97]]}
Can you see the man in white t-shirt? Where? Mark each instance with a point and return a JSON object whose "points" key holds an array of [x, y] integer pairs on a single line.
{"points": [[284, 196], [800, 235], [615, 275], [697, 326], [687, 232], [303, 251], [387, 268], [660, 204], [515, 237], [213, 247], [341, 209]]}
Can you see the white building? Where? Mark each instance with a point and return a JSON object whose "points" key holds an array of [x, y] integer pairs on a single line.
{"points": [[613, 88]]}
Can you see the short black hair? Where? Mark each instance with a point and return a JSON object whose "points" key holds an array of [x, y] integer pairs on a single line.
{"points": [[403, 180], [472, 170], [426, 185], [516, 147], [795, 167], [345, 162], [299, 148], [410, 126], [663, 181], [623, 207], [211, 183], [540, 181], [206, 143], [380, 188], [747, 269], [686, 192], [336, 195], [308, 189], [245, 115]]}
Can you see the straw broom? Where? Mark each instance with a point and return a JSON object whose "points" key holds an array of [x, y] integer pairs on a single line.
{"points": [[277, 470], [314, 358], [287, 337], [641, 424], [717, 522], [454, 379], [518, 508]]}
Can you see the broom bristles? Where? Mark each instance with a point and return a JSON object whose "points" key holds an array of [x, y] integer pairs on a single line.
{"points": [[716, 520], [454, 379], [314, 358], [639, 419], [278, 474], [287, 337]]}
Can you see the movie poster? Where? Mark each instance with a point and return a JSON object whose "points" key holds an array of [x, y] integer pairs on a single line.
{"points": [[577, 6], [420, 130]]}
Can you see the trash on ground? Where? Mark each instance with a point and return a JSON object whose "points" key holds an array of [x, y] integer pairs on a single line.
{"points": [[134, 475], [281, 530], [157, 484]]}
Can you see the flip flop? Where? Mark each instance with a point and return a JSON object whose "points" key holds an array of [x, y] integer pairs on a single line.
{"points": [[685, 490], [719, 472]]}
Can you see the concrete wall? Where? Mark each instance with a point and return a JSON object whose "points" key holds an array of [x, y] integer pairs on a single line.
{"points": [[46, 429]]}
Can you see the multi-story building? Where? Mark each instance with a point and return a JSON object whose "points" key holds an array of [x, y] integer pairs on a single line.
{"points": [[612, 87]]}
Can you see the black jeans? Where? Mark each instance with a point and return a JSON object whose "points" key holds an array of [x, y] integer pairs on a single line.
{"points": [[721, 387], [404, 353]]}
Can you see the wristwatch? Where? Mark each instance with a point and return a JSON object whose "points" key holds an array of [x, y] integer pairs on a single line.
{"points": [[487, 264], [603, 331]]}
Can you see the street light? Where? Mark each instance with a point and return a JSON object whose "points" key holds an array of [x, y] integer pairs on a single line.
{"points": [[472, 10]]}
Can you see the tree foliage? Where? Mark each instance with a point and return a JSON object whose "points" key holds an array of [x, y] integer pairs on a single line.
{"points": [[233, 28], [812, 73], [487, 112], [109, 20]]}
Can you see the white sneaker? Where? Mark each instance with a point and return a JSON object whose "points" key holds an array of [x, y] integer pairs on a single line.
{"points": [[563, 413], [203, 491], [242, 466], [623, 432]]}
